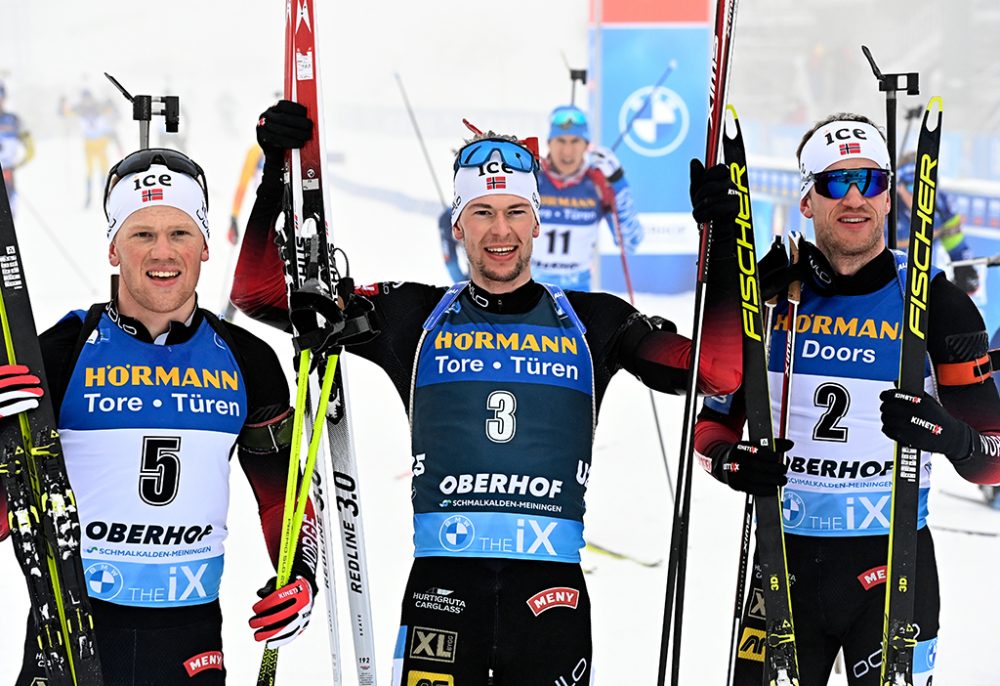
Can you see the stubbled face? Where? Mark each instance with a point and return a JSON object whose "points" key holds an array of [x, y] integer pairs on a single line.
{"points": [[849, 230], [497, 232], [159, 251], [566, 154]]}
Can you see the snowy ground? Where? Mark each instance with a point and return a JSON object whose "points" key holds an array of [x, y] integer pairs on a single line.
{"points": [[629, 507]]}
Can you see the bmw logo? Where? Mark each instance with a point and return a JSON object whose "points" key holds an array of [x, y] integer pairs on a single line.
{"points": [[104, 581], [660, 121], [457, 533], [793, 509]]}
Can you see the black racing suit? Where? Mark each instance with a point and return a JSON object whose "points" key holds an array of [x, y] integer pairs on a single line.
{"points": [[495, 618], [837, 581], [167, 646]]}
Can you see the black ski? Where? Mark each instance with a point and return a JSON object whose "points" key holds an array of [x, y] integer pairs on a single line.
{"points": [[673, 610], [899, 634], [44, 525], [781, 662]]}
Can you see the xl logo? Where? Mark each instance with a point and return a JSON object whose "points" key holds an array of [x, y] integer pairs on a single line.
{"points": [[660, 121], [756, 610], [436, 645]]}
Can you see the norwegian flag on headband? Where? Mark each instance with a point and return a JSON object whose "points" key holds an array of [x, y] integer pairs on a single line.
{"points": [[152, 194], [494, 183], [850, 148]]}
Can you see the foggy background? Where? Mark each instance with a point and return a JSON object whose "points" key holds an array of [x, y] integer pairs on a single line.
{"points": [[501, 66]]}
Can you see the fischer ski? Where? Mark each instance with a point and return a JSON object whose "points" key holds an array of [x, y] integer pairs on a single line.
{"points": [[44, 525], [780, 658], [899, 633]]}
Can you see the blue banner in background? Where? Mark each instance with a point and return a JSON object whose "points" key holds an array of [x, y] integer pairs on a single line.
{"points": [[667, 131]]}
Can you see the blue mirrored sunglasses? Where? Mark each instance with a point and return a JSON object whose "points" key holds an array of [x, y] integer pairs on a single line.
{"points": [[568, 117], [514, 156], [837, 184]]}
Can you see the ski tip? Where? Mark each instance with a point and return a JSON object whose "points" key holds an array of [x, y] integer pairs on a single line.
{"points": [[934, 112], [731, 123], [672, 65]]}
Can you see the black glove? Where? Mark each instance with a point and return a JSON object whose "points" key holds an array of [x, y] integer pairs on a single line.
{"points": [[776, 272], [660, 324], [714, 197], [920, 422], [282, 126], [751, 468], [966, 277], [359, 320]]}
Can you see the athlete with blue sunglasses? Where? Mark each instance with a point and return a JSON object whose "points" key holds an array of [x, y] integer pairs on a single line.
{"points": [[846, 413], [503, 377]]}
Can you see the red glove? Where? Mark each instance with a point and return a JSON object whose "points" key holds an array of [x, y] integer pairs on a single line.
{"points": [[284, 613], [20, 390]]}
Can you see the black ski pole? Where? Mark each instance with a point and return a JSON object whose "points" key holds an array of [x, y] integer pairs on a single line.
{"points": [[420, 138], [449, 246], [912, 113], [891, 84], [56, 243], [991, 261]]}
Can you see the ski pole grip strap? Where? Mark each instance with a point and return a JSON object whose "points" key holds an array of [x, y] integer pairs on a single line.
{"points": [[321, 341], [267, 438], [358, 329], [965, 373]]}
